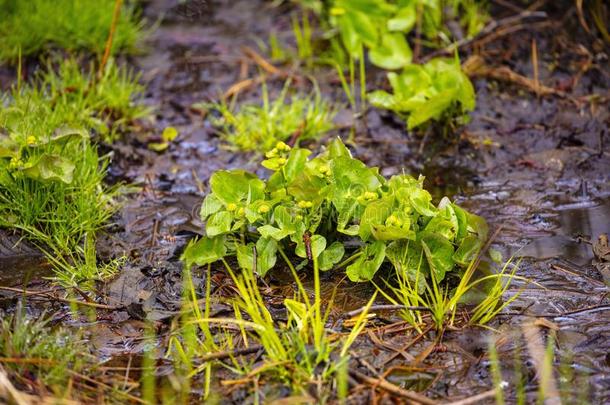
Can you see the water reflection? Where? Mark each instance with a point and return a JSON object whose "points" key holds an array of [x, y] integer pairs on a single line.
{"points": [[585, 222]]}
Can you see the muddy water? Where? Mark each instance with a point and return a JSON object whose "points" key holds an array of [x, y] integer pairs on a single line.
{"points": [[537, 168]]}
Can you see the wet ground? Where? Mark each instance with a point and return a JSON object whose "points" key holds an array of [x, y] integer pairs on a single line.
{"points": [[537, 168]]}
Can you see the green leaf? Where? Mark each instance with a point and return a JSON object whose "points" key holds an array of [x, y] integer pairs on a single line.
{"points": [[421, 200], [336, 149], [495, 255], [439, 253], [351, 179], [408, 257], [234, 186], [445, 223], [468, 250], [8, 148], [393, 53], [64, 135], [374, 215], [169, 134], [349, 35], [50, 167], [269, 231], [462, 221], [295, 163], [158, 146], [219, 223], [317, 244], [297, 312], [331, 256], [365, 29], [266, 257], [204, 251], [382, 99], [275, 163], [412, 80], [477, 225], [211, 204], [404, 20], [432, 108], [308, 187], [365, 267]]}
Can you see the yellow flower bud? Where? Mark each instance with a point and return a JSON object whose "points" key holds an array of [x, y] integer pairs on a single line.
{"points": [[241, 212], [305, 204], [282, 147], [263, 209], [369, 196], [231, 207], [31, 140]]}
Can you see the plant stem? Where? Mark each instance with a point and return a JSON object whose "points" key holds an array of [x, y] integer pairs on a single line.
{"points": [[317, 303], [296, 277], [113, 24], [349, 260]]}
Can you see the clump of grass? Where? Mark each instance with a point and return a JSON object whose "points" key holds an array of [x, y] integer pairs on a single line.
{"points": [[420, 295], [35, 26], [77, 98], [51, 177], [52, 199], [259, 127], [299, 353], [29, 347]]}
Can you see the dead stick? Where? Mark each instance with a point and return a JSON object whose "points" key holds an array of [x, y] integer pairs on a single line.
{"points": [[383, 308], [65, 300], [391, 388], [229, 353], [9, 392], [475, 398]]}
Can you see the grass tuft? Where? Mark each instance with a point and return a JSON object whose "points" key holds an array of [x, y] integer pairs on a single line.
{"points": [[260, 127], [29, 347], [70, 96], [35, 26]]}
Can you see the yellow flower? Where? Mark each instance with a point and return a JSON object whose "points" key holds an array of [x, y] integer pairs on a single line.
{"points": [[30, 140], [231, 207], [263, 209]]}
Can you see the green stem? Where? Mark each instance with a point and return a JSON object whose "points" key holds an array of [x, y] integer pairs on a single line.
{"points": [[300, 287], [349, 260], [317, 302]]}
